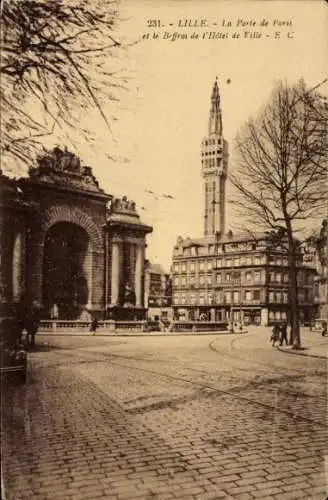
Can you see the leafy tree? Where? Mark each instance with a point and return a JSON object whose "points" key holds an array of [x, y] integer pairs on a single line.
{"points": [[57, 63], [280, 173]]}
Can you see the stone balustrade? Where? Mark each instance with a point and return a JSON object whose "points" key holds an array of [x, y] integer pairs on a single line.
{"points": [[107, 326]]}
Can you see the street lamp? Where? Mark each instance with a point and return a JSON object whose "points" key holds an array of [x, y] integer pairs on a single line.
{"points": [[236, 280]]}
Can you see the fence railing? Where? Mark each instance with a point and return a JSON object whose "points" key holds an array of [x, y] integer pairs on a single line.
{"points": [[57, 326]]}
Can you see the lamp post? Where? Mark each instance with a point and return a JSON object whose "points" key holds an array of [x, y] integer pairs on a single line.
{"points": [[236, 280]]}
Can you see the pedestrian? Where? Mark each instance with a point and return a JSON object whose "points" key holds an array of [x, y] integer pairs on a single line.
{"points": [[21, 313], [274, 335], [283, 334], [94, 326], [32, 323], [324, 332]]}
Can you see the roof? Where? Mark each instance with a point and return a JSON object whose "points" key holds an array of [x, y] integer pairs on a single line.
{"points": [[156, 269], [226, 238]]}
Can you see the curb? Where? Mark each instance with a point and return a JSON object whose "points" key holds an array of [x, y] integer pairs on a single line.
{"points": [[298, 353]]}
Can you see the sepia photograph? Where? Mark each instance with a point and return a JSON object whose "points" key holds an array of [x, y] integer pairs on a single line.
{"points": [[164, 249]]}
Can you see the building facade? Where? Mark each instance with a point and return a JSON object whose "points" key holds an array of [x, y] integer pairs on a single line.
{"points": [[236, 278], [158, 292], [223, 276], [69, 246], [316, 255]]}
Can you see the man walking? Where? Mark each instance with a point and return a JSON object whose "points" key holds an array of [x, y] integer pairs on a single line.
{"points": [[32, 323], [274, 335], [283, 333]]}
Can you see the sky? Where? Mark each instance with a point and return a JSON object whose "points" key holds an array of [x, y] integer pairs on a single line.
{"points": [[163, 116]]}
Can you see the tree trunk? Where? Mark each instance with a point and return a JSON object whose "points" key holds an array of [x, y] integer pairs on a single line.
{"points": [[293, 292]]}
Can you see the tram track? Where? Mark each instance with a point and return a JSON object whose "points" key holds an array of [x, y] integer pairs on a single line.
{"points": [[274, 367], [233, 392]]}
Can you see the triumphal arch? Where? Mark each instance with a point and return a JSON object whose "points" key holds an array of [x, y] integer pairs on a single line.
{"points": [[69, 246]]}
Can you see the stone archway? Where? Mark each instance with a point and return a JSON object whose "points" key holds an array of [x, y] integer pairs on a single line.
{"points": [[73, 214], [93, 252]]}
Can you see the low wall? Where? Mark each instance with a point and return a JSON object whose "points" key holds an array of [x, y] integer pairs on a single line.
{"points": [[57, 326]]}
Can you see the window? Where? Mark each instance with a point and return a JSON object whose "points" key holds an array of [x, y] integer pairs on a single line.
{"points": [[257, 260], [192, 267], [202, 280], [176, 298], [209, 279], [257, 277], [285, 297], [248, 295], [248, 260], [228, 297], [278, 277], [201, 266], [209, 265], [218, 262], [219, 279], [183, 298], [193, 251], [271, 296], [236, 296], [192, 298], [237, 262], [176, 268], [271, 277], [183, 267], [229, 262], [176, 281], [278, 297], [228, 276], [242, 260], [201, 299], [256, 295], [192, 280], [248, 277], [183, 281]]}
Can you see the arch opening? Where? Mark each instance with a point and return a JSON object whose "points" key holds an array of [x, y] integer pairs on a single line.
{"points": [[66, 271]]}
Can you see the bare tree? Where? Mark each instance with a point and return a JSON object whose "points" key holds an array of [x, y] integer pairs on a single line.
{"points": [[57, 63], [280, 173]]}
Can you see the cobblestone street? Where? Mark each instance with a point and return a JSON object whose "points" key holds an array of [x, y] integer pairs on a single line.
{"points": [[195, 417]]}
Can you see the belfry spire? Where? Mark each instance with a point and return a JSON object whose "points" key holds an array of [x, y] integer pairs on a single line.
{"points": [[215, 122]]}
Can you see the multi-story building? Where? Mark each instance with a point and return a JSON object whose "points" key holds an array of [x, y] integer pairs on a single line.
{"points": [[158, 291], [235, 277], [316, 255]]}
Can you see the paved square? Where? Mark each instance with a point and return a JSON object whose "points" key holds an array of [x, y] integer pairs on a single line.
{"points": [[195, 417]]}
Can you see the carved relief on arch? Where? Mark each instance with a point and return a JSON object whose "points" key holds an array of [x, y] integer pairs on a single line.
{"points": [[74, 215]]}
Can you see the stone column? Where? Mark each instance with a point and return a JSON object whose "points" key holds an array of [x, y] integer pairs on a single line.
{"points": [[18, 265], [139, 273], [35, 271], [87, 268], [116, 272]]}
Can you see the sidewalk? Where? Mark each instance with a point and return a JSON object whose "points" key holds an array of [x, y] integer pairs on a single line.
{"points": [[312, 344]]}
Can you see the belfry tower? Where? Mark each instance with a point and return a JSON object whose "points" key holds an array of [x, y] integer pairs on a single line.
{"points": [[214, 169]]}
